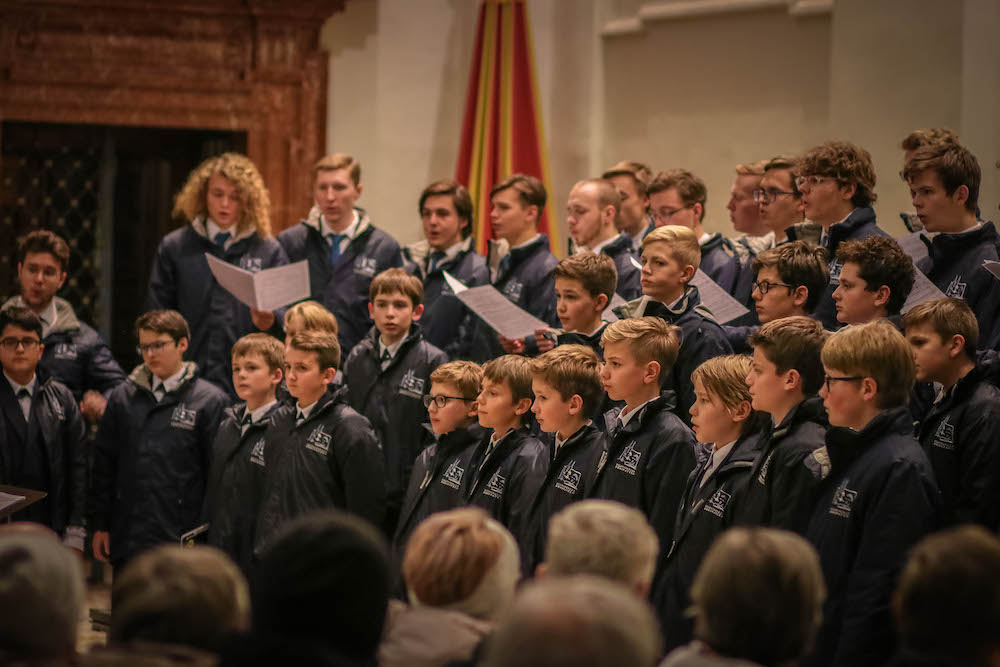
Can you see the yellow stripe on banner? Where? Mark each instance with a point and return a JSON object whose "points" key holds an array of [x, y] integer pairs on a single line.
{"points": [[478, 188], [506, 143]]}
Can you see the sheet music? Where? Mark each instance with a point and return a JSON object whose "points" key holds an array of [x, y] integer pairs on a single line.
{"points": [[913, 246], [608, 314], [265, 290], [492, 307], [723, 306], [8, 500], [923, 290], [992, 267]]}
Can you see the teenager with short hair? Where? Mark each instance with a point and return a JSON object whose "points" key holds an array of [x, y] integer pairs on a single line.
{"points": [[309, 316], [591, 212], [780, 202], [631, 179], [754, 237], [585, 284], [876, 278]]}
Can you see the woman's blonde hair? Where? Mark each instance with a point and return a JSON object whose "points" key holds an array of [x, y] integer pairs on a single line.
{"points": [[255, 202]]}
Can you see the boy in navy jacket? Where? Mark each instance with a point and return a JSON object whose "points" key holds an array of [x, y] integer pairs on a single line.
{"points": [[41, 431], [632, 179], [670, 257], [650, 450], [244, 447], [228, 210], [879, 497], [876, 278], [446, 212], [784, 381], [154, 446], [959, 432], [387, 376], [344, 250], [584, 285]]}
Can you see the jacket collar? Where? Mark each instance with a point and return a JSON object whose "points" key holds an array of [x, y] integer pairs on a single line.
{"points": [[618, 245], [457, 440], [201, 229], [326, 402], [644, 306], [714, 241], [420, 252], [809, 410], [497, 249], [667, 400], [314, 222], [143, 377], [843, 230], [943, 246], [843, 444], [413, 336], [66, 319]]}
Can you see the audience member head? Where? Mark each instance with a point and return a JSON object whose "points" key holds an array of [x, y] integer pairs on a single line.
{"points": [[947, 604], [506, 394], [670, 258], [446, 213], [787, 366], [395, 301], [758, 596], [925, 137], [336, 189], [41, 592], [790, 280], [258, 366], [581, 620], [603, 538], [835, 178], [451, 400], [42, 262], [312, 359], [20, 342], [744, 212], [943, 334], [228, 190], [567, 386], [678, 197], [723, 411], [591, 212], [944, 181], [516, 206], [174, 595], [585, 284], [309, 316], [778, 196], [464, 561], [325, 580], [875, 279], [631, 180], [163, 339], [869, 368], [639, 353]]}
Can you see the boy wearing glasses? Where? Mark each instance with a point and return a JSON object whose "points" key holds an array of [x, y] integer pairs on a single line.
{"points": [[41, 431], [780, 203], [879, 497], [837, 182], [387, 375], [440, 472], [154, 446]]}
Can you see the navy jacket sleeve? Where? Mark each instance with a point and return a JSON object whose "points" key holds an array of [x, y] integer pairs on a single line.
{"points": [[978, 493], [105, 470], [525, 479], [162, 291], [793, 492], [362, 469], [705, 344], [102, 373], [76, 460], [671, 467]]}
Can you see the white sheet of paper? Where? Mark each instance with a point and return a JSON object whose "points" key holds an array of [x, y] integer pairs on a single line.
{"points": [[723, 306], [923, 290], [992, 267], [913, 246], [636, 263], [608, 315], [492, 307], [265, 290], [8, 499]]}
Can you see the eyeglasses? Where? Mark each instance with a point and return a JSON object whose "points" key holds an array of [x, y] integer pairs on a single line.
{"points": [[666, 215], [767, 196], [765, 286], [441, 400], [27, 343], [827, 380], [812, 181], [155, 346]]}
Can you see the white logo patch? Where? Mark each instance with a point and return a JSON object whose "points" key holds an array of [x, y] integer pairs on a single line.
{"points": [[956, 288], [366, 266], [843, 501], [66, 351], [257, 455], [183, 418], [319, 441], [762, 477], [945, 436], [628, 460], [411, 385], [453, 475], [512, 290], [495, 487], [835, 268], [717, 503], [58, 409], [252, 264], [569, 478]]}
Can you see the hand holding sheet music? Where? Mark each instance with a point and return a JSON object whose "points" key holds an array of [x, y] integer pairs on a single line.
{"points": [[492, 307], [265, 290]]}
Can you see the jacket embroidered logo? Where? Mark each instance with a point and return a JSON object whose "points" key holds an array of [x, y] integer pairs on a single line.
{"points": [[945, 436], [57, 408], [319, 441], [494, 487], [366, 266], [453, 475], [835, 268], [411, 385], [956, 288], [66, 351], [717, 503], [512, 290], [183, 418], [843, 501], [257, 455], [569, 478], [252, 264], [628, 460], [762, 477]]}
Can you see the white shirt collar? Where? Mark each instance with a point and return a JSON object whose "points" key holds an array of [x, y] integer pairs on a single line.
{"points": [[211, 228], [48, 318], [258, 414], [394, 348], [349, 233], [451, 252], [32, 383], [626, 417], [600, 246], [171, 383], [718, 456], [303, 413], [704, 238]]}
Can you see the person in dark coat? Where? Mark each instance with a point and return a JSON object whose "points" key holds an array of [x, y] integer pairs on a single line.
{"points": [[650, 450], [585, 284], [566, 383], [344, 249], [75, 354], [784, 379], [632, 179], [228, 211], [944, 182], [729, 430], [754, 236], [154, 446], [387, 376], [330, 457], [778, 198], [959, 432], [41, 431], [876, 278], [837, 182], [244, 447], [670, 257], [447, 214], [879, 497]]}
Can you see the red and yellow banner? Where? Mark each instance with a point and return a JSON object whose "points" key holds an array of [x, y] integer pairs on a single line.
{"points": [[502, 130]]}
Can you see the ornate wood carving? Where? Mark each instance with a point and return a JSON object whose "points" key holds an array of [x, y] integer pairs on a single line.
{"points": [[242, 65]]}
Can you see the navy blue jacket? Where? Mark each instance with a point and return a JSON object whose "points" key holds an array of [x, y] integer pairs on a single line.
{"points": [[784, 482], [181, 280], [955, 265], [959, 435], [152, 460], [620, 250], [343, 288], [649, 460], [720, 263], [447, 323], [706, 511], [331, 459], [76, 355], [505, 482], [526, 279], [570, 477], [739, 337], [701, 339], [878, 500], [240, 458], [859, 225], [46, 453]]}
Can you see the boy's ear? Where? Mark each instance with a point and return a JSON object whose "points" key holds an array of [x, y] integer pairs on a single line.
{"points": [[575, 404], [688, 274], [742, 411], [847, 191], [276, 376], [800, 295], [956, 345], [328, 375], [522, 406], [601, 302], [474, 410], [371, 310], [793, 380], [182, 345], [882, 295], [652, 374], [869, 389], [418, 311], [697, 209]]}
